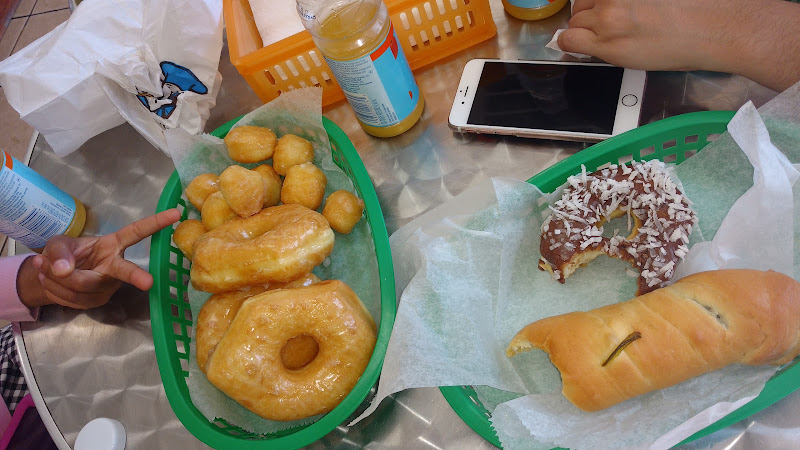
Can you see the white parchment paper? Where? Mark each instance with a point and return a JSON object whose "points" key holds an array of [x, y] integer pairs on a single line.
{"points": [[468, 277]]}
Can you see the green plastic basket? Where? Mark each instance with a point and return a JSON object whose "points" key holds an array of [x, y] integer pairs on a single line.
{"points": [[670, 140], [171, 316]]}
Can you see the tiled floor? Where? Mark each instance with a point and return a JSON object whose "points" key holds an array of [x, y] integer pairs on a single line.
{"points": [[31, 20]]}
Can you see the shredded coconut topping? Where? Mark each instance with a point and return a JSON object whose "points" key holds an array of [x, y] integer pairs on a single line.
{"points": [[644, 190]]}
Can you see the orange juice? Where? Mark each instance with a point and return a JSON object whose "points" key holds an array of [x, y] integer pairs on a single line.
{"points": [[533, 9], [359, 44]]}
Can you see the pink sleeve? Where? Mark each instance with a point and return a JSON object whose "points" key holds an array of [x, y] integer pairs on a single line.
{"points": [[5, 420], [11, 307]]}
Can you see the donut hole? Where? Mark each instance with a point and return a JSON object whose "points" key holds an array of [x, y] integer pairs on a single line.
{"points": [[299, 351], [618, 223]]}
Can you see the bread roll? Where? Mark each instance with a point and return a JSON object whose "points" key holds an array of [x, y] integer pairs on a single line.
{"points": [[700, 323]]}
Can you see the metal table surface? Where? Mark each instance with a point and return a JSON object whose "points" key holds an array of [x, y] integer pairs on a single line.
{"points": [[101, 362]]}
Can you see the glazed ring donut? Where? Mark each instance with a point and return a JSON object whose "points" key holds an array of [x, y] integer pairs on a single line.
{"points": [[572, 236], [250, 144], [244, 190], [186, 234], [217, 313], [343, 211], [294, 353], [278, 244], [201, 186], [215, 317]]}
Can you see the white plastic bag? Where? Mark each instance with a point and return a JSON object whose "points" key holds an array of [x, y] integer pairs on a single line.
{"points": [[152, 63]]}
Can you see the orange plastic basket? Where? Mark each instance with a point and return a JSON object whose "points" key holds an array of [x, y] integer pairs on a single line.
{"points": [[428, 30]]}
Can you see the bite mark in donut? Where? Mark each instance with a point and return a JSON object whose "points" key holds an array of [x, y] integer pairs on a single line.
{"points": [[659, 214]]}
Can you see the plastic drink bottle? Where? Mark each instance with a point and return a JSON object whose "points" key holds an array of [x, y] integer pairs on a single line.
{"points": [[533, 9], [358, 41], [32, 209]]}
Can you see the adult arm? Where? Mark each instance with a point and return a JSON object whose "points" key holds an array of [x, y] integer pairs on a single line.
{"points": [[756, 39]]}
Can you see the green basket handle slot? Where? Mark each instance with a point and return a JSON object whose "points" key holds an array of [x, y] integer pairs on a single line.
{"points": [[171, 317]]}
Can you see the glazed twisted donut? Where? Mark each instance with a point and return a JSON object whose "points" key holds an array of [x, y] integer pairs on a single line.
{"points": [[278, 244]]}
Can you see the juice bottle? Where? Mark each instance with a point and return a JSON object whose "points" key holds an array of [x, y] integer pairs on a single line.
{"points": [[358, 41], [32, 209], [533, 9]]}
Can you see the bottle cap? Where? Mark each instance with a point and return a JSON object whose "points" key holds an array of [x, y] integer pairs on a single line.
{"points": [[101, 434]]}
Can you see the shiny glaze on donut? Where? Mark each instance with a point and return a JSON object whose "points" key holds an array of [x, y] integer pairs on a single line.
{"points": [[278, 244], [643, 190], [248, 363]]}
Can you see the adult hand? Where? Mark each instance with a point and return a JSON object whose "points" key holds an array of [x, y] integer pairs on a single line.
{"points": [[753, 38], [85, 272]]}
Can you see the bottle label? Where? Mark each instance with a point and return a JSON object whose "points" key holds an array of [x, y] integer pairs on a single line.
{"points": [[32, 210], [530, 3], [379, 86]]}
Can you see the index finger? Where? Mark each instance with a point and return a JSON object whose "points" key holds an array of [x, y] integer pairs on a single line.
{"points": [[135, 232]]}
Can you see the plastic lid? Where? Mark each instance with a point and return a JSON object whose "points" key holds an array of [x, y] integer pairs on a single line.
{"points": [[101, 434]]}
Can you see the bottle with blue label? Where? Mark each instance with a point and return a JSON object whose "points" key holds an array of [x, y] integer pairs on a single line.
{"points": [[533, 9], [32, 209], [359, 43]]}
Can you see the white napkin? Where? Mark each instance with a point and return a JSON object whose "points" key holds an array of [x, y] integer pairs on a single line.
{"points": [[553, 44], [275, 20]]}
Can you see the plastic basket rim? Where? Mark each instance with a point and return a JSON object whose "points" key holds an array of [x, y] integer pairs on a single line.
{"points": [[776, 388], [181, 404]]}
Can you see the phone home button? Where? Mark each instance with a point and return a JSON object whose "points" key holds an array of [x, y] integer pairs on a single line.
{"points": [[630, 100]]}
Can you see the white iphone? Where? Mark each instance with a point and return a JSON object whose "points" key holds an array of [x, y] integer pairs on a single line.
{"points": [[561, 100]]}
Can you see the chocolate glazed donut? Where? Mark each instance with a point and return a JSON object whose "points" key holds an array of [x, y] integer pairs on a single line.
{"points": [[659, 215]]}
